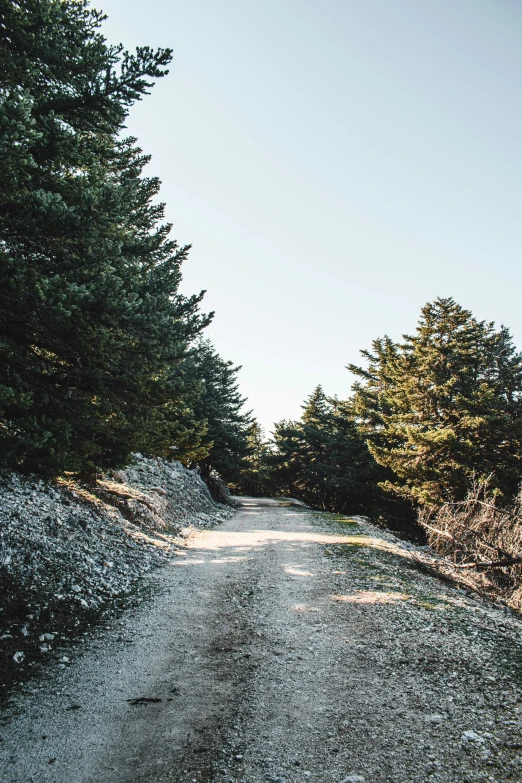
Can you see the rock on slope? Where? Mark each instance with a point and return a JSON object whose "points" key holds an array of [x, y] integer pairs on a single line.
{"points": [[67, 552]]}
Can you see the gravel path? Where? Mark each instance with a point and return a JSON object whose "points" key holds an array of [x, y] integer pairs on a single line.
{"points": [[284, 645]]}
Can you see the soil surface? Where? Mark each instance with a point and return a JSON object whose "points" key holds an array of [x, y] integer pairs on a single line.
{"points": [[284, 645]]}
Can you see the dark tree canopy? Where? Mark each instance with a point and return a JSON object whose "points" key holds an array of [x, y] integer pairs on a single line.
{"points": [[323, 460], [256, 476], [220, 405], [444, 407], [91, 321]]}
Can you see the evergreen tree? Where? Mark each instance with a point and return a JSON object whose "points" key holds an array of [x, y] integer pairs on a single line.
{"points": [[301, 452], [91, 321], [256, 474], [323, 460], [220, 406], [444, 406]]}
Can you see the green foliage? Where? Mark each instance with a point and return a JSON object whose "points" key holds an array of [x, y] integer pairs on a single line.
{"points": [[323, 460], [443, 407], [219, 405], [91, 322], [256, 477]]}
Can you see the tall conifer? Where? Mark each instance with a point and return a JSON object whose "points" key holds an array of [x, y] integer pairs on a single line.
{"points": [[220, 405], [91, 321], [444, 406], [256, 475], [323, 460]]}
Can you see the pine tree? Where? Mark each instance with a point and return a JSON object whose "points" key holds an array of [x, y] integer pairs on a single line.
{"points": [[444, 406], [323, 460], [256, 475], [91, 321], [219, 405]]}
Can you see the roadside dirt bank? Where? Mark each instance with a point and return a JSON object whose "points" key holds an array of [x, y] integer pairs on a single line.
{"points": [[71, 556], [284, 645]]}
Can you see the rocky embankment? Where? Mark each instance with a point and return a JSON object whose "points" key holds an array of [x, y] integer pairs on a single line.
{"points": [[69, 553]]}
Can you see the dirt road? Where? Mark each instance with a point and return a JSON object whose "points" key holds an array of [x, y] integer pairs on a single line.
{"points": [[282, 646]]}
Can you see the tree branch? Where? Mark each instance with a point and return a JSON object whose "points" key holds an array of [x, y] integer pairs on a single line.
{"points": [[490, 564]]}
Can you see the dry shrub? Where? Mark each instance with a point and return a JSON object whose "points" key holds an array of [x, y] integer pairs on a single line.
{"points": [[482, 541]]}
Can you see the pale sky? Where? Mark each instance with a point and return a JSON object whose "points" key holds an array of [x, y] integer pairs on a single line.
{"points": [[335, 165]]}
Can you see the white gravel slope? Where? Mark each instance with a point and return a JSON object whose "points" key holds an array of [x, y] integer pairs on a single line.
{"points": [[67, 551], [283, 646]]}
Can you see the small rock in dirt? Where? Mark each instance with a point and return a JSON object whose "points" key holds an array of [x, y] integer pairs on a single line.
{"points": [[18, 657], [472, 736], [354, 779], [435, 718]]}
